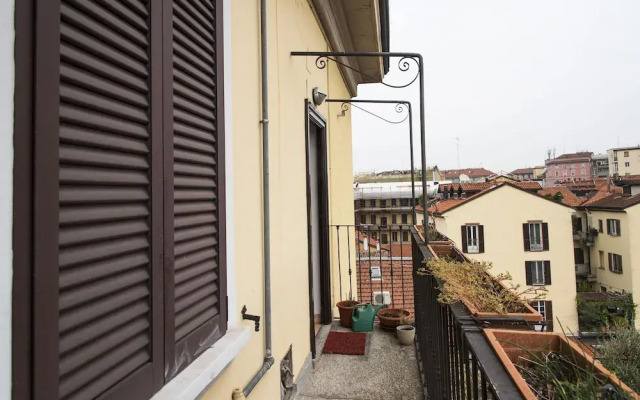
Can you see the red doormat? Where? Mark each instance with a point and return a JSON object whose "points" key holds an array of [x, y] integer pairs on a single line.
{"points": [[352, 343]]}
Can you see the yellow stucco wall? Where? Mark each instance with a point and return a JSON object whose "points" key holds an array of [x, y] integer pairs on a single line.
{"points": [[291, 26], [626, 245], [502, 212]]}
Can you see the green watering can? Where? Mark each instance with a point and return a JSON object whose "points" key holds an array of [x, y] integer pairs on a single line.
{"points": [[362, 317]]}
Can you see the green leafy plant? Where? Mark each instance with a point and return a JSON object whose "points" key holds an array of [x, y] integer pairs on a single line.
{"points": [[614, 311], [585, 286], [621, 355], [471, 283]]}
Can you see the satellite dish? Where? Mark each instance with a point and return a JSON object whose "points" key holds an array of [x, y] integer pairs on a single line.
{"points": [[464, 178]]}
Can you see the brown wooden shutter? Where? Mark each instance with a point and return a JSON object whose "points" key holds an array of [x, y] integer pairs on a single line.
{"points": [[481, 238], [528, 272], [547, 272], [463, 232], [608, 227], [548, 310], [525, 236], [618, 231], [610, 259], [545, 236], [95, 238], [198, 297]]}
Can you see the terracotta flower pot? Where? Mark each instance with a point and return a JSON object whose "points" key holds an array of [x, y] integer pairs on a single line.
{"points": [[391, 318], [346, 309], [512, 346]]}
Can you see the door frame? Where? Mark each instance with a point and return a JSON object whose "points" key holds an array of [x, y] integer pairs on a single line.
{"points": [[315, 118]]}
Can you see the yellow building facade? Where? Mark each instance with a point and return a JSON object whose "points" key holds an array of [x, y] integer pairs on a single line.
{"points": [[501, 212]]}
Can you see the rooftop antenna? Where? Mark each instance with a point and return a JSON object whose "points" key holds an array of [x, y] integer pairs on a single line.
{"points": [[458, 148]]}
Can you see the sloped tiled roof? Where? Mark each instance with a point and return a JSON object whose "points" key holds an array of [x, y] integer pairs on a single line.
{"points": [[568, 197], [580, 154], [629, 180], [521, 171], [477, 186], [444, 205], [470, 172], [603, 192], [615, 201]]}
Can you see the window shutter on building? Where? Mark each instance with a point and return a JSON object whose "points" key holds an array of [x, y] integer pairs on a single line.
{"points": [[528, 272], [547, 272], [525, 236], [610, 260], [463, 232], [548, 309], [545, 236], [481, 238], [618, 231], [128, 190], [608, 226]]}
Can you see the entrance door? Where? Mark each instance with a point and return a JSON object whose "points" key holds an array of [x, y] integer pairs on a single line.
{"points": [[317, 213]]}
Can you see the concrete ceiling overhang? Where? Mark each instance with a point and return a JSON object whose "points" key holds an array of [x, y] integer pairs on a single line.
{"points": [[354, 25]]}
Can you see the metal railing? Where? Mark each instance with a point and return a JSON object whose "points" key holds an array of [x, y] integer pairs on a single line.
{"points": [[456, 360], [374, 264]]}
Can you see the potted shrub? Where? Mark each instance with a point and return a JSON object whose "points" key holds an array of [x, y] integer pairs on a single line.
{"points": [[551, 366], [406, 332], [345, 308], [484, 295], [391, 318]]}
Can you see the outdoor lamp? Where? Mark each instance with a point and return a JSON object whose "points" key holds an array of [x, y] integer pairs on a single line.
{"points": [[318, 96]]}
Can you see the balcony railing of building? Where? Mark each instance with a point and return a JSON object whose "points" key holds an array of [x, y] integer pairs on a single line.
{"points": [[456, 360]]}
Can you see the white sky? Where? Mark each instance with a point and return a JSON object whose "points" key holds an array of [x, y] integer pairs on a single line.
{"points": [[511, 79]]}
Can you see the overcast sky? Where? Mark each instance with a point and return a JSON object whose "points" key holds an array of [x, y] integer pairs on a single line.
{"points": [[510, 79]]}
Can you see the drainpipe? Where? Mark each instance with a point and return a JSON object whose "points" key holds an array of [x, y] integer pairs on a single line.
{"points": [[268, 357]]}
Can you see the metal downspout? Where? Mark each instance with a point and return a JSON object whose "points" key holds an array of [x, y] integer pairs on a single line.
{"points": [[268, 357]]}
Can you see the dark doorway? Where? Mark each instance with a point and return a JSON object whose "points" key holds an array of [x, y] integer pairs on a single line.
{"points": [[318, 220]]}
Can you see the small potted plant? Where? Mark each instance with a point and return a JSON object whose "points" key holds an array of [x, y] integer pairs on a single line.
{"points": [[391, 318], [406, 332], [345, 308]]}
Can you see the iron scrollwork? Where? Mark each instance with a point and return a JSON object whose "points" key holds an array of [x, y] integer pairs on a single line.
{"points": [[404, 65], [400, 108]]}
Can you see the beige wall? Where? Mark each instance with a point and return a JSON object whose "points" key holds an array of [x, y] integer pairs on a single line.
{"points": [[291, 26], [633, 159], [625, 245], [502, 212]]}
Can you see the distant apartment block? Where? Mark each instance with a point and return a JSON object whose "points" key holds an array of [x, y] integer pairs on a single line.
{"points": [[624, 161], [466, 174], [522, 233], [574, 166], [600, 165], [528, 174]]}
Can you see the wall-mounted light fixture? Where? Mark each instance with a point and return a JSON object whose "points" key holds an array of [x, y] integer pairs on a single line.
{"points": [[318, 96]]}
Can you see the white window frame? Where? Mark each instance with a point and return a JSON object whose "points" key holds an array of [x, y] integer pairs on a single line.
{"points": [[537, 273], [473, 238], [613, 263], [613, 227], [541, 307], [394, 236], [626, 164], [533, 244]]}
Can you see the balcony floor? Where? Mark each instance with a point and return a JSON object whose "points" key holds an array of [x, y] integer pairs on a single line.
{"points": [[387, 371]]}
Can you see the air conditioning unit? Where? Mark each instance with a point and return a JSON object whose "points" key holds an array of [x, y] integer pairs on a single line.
{"points": [[381, 298]]}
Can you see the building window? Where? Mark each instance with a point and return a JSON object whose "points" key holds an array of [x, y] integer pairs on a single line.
{"points": [[394, 202], [613, 227], [578, 255], [615, 263], [556, 173], [573, 172], [538, 305], [584, 172], [615, 167], [473, 238], [600, 228], [362, 203], [583, 165], [626, 164], [363, 219], [384, 238], [394, 236], [603, 289], [535, 236], [538, 272], [372, 203], [626, 154], [405, 236], [564, 173], [404, 202], [383, 221], [383, 203], [573, 166], [376, 273], [394, 219], [601, 259], [405, 218], [373, 220]]}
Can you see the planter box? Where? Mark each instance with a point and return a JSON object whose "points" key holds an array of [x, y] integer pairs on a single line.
{"points": [[529, 314], [510, 346]]}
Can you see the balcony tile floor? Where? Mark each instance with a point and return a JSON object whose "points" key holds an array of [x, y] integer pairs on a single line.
{"points": [[387, 371]]}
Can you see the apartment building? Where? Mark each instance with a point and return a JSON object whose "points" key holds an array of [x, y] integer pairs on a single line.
{"points": [[466, 174], [600, 165], [575, 166], [153, 245], [522, 233], [624, 161], [615, 254], [523, 174]]}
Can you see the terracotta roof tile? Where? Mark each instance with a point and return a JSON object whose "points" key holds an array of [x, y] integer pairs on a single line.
{"points": [[470, 172], [520, 171], [628, 180], [615, 201], [601, 194], [568, 197], [581, 154]]}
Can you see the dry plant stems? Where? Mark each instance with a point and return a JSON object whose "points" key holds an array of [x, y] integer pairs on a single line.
{"points": [[621, 355], [471, 283]]}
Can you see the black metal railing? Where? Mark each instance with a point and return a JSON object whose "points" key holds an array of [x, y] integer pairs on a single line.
{"points": [[456, 360], [380, 270]]}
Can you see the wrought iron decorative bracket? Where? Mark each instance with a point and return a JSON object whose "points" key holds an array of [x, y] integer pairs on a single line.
{"points": [[405, 61]]}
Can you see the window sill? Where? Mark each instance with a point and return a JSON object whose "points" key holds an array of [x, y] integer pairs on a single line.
{"points": [[190, 383]]}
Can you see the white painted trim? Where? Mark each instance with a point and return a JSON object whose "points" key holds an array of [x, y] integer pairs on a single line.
{"points": [[7, 71], [201, 373], [232, 316]]}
